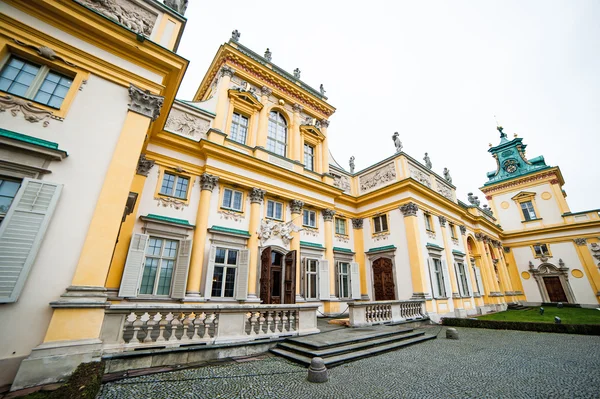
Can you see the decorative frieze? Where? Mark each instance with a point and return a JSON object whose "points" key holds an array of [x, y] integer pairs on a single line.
{"points": [[378, 177], [257, 195], [144, 165], [381, 236], [296, 206], [265, 91], [185, 124], [420, 176], [269, 229], [409, 209], [357, 223], [442, 220], [430, 234], [328, 214], [231, 215], [145, 103], [128, 13], [342, 238], [444, 190], [341, 182], [169, 202], [463, 229], [580, 241], [30, 112], [208, 181]]}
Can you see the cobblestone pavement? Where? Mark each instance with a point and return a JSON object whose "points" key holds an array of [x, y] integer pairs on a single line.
{"points": [[482, 364]]}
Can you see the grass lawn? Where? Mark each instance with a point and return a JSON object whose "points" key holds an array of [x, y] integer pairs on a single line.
{"points": [[567, 315]]}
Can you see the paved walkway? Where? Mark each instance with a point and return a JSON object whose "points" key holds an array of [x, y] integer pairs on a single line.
{"points": [[482, 364]]}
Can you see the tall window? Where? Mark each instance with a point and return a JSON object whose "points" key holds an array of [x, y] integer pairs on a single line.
{"points": [[312, 272], [462, 278], [528, 210], [239, 128], [476, 273], [452, 230], [8, 191], [226, 261], [309, 218], [277, 135], [541, 250], [161, 255], [174, 185], [380, 223], [274, 210], [232, 199], [428, 224], [343, 280], [35, 82], [438, 278], [340, 226], [309, 157]]}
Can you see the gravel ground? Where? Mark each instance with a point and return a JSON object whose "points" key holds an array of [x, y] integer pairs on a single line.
{"points": [[482, 364]]}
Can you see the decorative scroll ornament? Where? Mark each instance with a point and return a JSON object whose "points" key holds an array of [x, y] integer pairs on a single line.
{"points": [[580, 241], [409, 209], [127, 13], [357, 223], [186, 124], [178, 5], [144, 165], [45, 52], [463, 229], [442, 220], [30, 112], [168, 202], [296, 206], [227, 71], [269, 228], [208, 181], [378, 177], [231, 215], [144, 102], [595, 248], [328, 214], [257, 195], [235, 35]]}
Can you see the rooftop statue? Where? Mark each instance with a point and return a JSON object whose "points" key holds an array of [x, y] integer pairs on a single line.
{"points": [[447, 175], [268, 55], [473, 199], [297, 73], [427, 161], [178, 5], [322, 89], [235, 36], [352, 164], [397, 142]]}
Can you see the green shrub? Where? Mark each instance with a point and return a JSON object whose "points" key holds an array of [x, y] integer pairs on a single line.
{"points": [[85, 382], [584, 329]]}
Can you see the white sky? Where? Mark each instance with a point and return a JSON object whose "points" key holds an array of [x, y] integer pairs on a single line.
{"points": [[435, 71]]}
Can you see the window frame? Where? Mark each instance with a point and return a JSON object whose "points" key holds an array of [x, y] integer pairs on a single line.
{"points": [[344, 222], [159, 268], [548, 253], [247, 127], [225, 267], [312, 156], [4, 178], [233, 192], [428, 222], [439, 273], [164, 170], [527, 216], [275, 139], [374, 223], [309, 212], [452, 231], [461, 277], [339, 278], [307, 282], [267, 209]]}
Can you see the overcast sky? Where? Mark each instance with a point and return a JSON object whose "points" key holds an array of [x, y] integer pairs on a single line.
{"points": [[435, 71]]}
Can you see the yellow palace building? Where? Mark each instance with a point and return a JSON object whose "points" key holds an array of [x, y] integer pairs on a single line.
{"points": [[132, 221]]}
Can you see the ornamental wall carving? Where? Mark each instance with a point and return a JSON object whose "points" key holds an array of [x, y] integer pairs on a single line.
{"points": [[30, 112], [341, 182], [231, 215], [187, 125], [169, 202], [378, 177], [126, 12], [419, 175], [443, 189], [381, 236], [519, 182]]}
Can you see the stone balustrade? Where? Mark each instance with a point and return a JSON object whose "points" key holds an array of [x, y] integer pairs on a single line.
{"points": [[381, 312], [130, 327]]}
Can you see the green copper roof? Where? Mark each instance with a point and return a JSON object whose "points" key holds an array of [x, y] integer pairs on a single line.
{"points": [[429, 244], [454, 251], [339, 249], [182, 222], [310, 244], [231, 231], [29, 139], [511, 160], [386, 248]]}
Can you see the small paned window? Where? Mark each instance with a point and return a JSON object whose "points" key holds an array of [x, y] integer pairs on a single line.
{"points": [[8, 191], [380, 223], [343, 280], [438, 278], [340, 226], [277, 134], [232, 199], [161, 255], [462, 278], [174, 185], [309, 218], [428, 224], [33, 81], [528, 210], [274, 210], [541, 250], [452, 230], [239, 128], [309, 157], [226, 262], [312, 272]]}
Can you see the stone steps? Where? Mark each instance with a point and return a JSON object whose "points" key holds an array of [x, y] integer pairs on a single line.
{"points": [[516, 306], [348, 350]]}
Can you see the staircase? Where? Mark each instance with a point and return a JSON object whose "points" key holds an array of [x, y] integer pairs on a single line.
{"points": [[517, 306], [349, 344]]}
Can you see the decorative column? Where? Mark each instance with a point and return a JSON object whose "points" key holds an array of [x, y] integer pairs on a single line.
{"points": [[296, 208], [513, 272], [418, 266], [257, 196], [456, 298], [296, 151], [489, 279], [591, 267], [325, 151], [359, 249], [207, 185], [478, 301], [226, 74], [506, 282], [263, 118], [328, 230]]}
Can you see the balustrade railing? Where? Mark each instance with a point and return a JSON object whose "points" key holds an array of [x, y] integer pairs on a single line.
{"points": [[380, 312], [130, 327]]}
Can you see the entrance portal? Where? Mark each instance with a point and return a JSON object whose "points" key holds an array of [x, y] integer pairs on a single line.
{"points": [[383, 280], [556, 293], [277, 277]]}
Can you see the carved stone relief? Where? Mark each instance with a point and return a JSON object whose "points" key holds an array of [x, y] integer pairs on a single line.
{"points": [[377, 177], [30, 112], [341, 182], [419, 175], [144, 165], [269, 228], [381, 236], [169, 202], [45, 52], [595, 248], [178, 5], [296, 206], [187, 125], [463, 230], [231, 215], [145, 103], [443, 189], [342, 238], [257, 195], [208, 181], [357, 223], [126, 12]]}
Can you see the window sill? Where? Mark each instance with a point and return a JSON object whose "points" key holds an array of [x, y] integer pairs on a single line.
{"points": [[232, 210], [543, 256], [441, 298], [381, 232], [174, 197], [430, 231], [310, 227], [531, 220], [275, 219]]}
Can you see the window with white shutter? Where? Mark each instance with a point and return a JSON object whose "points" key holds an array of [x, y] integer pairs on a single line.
{"points": [[354, 281], [21, 233], [324, 291]]}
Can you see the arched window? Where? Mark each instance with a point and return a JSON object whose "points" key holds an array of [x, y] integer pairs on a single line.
{"points": [[277, 136]]}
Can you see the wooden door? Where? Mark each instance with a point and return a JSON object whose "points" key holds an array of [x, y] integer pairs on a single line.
{"points": [[556, 293], [289, 282], [265, 275], [383, 280]]}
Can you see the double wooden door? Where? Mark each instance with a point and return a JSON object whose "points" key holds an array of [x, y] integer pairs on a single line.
{"points": [[383, 280], [277, 277], [556, 293]]}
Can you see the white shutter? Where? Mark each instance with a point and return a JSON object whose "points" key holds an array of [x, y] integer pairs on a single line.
{"points": [[433, 279], [479, 281], [324, 293], [21, 234], [210, 269], [303, 268], [354, 280], [468, 278], [241, 283], [458, 279], [130, 282], [181, 269], [447, 285]]}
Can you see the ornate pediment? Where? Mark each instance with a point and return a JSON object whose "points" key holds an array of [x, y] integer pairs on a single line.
{"points": [[312, 130], [245, 97], [523, 195]]}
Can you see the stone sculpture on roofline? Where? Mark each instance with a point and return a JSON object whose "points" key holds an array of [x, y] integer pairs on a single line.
{"points": [[397, 142], [427, 161], [352, 164], [447, 175]]}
